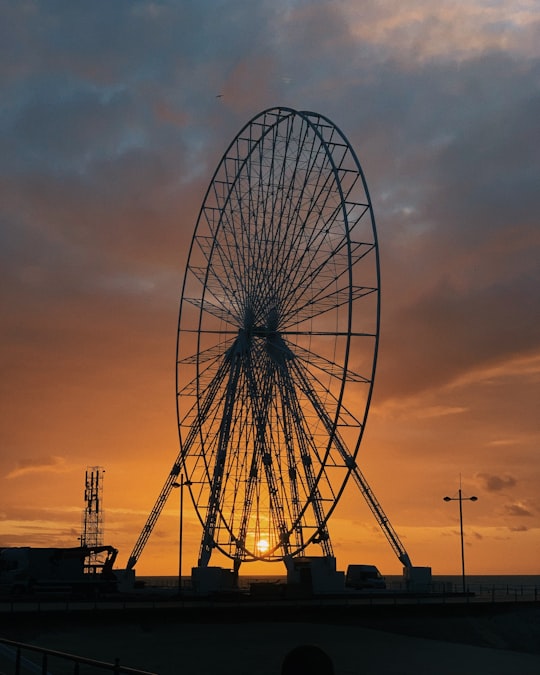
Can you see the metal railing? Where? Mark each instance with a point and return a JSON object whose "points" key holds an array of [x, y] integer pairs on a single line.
{"points": [[395, 593], [480, 591], [15, 652]]}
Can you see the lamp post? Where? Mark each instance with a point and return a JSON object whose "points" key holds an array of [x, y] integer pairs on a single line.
{"points": [[181, 527], [460, 498]]}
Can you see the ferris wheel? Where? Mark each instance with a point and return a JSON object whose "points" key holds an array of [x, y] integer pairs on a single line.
{"points": [[277, 342]]}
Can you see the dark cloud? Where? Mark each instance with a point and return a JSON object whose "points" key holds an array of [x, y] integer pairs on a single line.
{"points": [[458, 240], [493, 483], [452, 331]]}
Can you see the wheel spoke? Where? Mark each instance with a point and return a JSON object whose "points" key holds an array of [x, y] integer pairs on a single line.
{"points": [[284, 250]]}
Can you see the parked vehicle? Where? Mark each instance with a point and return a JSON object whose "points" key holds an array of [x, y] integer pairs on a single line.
{"points": [[364, 576]]}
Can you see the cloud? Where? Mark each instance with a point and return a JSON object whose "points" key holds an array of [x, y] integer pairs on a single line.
{"points": [[50, 464], [422, 31], [518, 509], [453, 202], [109, 133], [494, 483]]}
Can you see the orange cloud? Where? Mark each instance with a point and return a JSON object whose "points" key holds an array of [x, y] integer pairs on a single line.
{"points": [[424, 30], [518, 509], [50, 464]]}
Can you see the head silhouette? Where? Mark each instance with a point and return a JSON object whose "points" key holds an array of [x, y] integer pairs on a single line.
{"points": [[307, 660]]}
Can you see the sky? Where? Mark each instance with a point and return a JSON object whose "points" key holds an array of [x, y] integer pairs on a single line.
{"points": [[110, 130]]}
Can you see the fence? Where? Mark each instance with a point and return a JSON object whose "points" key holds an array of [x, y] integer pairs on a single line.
{"points": [[478, 591], [15, 653]]}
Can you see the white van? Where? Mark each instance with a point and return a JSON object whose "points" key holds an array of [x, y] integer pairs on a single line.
{"points": [[364, 576]]}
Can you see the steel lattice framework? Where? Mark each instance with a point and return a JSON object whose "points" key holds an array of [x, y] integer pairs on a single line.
{"points": [[277, 341]]}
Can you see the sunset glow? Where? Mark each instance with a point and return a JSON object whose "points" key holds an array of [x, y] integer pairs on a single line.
{"points": [[114, 120]]}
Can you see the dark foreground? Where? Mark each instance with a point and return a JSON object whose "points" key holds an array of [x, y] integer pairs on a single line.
{"points": [[225, 638]]}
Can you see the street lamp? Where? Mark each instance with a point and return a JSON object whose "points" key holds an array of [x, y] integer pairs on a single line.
{"points": [[181, 527], [460, 498]]}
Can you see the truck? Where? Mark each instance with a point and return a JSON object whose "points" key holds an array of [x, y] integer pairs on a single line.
{"points": [[26, 570], [361, 577]]}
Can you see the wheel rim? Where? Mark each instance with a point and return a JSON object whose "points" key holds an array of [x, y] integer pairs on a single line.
{"points": [[278, 336]]}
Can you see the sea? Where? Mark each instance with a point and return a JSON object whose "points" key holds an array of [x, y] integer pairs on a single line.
{"points": [[507, 587]]}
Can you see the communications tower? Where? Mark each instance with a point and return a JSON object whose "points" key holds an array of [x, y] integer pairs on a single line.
{"points": [[92, 518]]}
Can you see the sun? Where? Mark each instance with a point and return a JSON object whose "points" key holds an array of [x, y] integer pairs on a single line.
{"points": [[263, 545]]}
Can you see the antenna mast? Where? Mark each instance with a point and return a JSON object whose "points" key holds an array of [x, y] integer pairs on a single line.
{"points": [[92, 521]]}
